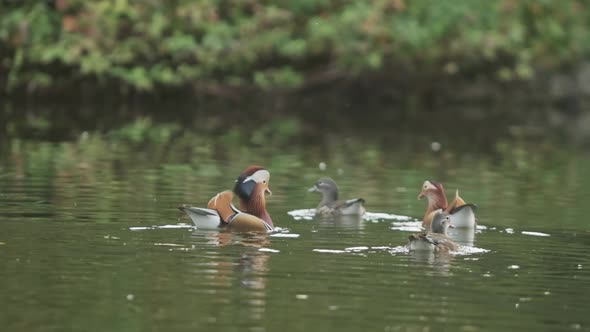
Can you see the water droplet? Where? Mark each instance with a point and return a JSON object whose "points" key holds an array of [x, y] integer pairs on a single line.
{"points": [[130, 297], [435, 146], [323, 166], [302, 296]]}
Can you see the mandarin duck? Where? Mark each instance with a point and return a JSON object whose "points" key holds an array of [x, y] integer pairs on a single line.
{"points": [[436, 240], [330, 205], [461, 213], [251, 187]]}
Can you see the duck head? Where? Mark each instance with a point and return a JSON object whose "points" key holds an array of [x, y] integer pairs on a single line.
{"points": [[435, 194], [251, 187], [328, 188], [441, 222]]}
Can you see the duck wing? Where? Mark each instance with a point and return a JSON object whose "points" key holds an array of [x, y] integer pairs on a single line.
{"points": [[352, 207], [202, 218]]}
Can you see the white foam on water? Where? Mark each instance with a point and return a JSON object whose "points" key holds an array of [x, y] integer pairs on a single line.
{"points": [[356, 248], [399, 250], [371, 216], [330, 251], [287, 235], [465, 250], [268, 250], [406, 228], [139, 228], [381, 248], [177, 226], [535, 233], [509, 230], [309, 214], [168, 244], [302, 213], [481, 227]]}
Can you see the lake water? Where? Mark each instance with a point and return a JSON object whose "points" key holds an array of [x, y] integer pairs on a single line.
{"points": [[91, 240]]}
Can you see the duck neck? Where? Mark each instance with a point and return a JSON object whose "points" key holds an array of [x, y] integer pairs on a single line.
{"points": [[437, 227], [328, 198], [256, 206], [435, 202]]}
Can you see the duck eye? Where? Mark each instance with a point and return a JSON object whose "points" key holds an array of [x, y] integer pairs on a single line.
{"points": [[263, 181], [425, 187]]}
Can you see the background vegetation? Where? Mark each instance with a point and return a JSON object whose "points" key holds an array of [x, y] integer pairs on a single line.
{"points": [[221, 44]]}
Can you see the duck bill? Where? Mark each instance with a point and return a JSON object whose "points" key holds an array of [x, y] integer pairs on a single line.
{"points": [[421, 195], [313, 189], [267, 190]]}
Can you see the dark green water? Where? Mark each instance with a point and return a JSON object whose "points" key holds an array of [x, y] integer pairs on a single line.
{"points": [[71, 260]]}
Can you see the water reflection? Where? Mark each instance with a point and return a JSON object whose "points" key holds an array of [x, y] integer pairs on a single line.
{"points": [[462, 236], [223, 238], [250, 263], [246, 269], [348, 221], [439, 261]]}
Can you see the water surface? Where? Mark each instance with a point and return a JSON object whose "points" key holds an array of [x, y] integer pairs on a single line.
{"points": [[79, 252]]}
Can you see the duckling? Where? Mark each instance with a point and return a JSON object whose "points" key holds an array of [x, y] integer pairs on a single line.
{"points": [[330, 205], [251, 186], [462, 214], [437, 240]]}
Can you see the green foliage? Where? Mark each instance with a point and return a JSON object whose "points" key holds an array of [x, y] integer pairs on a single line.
{"points": [[146, 44]]}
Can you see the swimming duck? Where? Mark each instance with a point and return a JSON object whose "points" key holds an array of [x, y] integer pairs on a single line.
{"points": [[462, 214], [251, 187], [330, 205], [436, 240]]}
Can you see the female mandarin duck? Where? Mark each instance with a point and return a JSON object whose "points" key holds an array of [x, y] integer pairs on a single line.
{"points": [[251, 187], [461, 214], [330, 205], [437, 240]]}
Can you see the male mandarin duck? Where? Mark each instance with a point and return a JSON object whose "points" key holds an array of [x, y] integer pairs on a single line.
{"points": [[461, 213], [330, 205], [436, 240], [251, 187]]}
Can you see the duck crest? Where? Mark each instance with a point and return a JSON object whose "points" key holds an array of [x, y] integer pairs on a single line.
{"points": [[244, 189], [439, 201], [251, 170]]}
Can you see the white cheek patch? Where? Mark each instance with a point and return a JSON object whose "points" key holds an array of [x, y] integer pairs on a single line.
{"points": [[427, 185], [259, 176]]}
